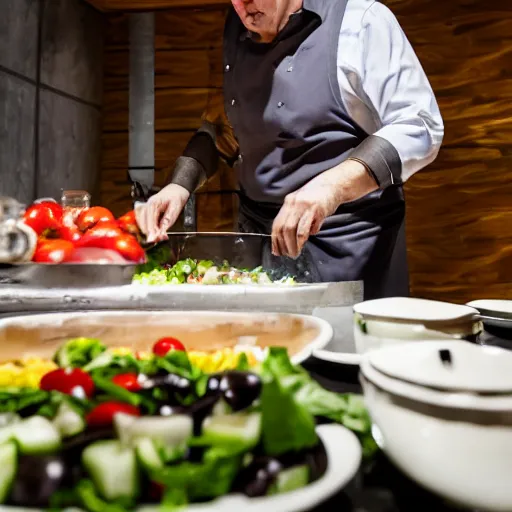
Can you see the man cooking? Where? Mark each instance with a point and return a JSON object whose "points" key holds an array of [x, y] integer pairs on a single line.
{"points": [[332, 113]]}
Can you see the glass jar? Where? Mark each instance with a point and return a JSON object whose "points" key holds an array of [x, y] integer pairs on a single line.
{"points": [[74, 203]]}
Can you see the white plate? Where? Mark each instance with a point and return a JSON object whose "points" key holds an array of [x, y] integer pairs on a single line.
{"points": [[348, 358], [343, 461], [408, 309], [494, 309]]}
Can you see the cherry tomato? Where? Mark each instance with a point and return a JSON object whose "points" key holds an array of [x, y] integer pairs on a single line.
{"points": [[52, 251], [129, 381], [103, 414], [71, 381], [91, 216], [42, 217], [165, 345], [128, 223]]}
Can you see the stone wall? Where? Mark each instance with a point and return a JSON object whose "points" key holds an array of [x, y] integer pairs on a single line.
{"points": [[51, 95]]}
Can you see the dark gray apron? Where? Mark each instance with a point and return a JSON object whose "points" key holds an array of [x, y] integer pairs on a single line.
{"points": [[284, 104]]}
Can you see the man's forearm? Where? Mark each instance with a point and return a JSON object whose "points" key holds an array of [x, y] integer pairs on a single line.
{"points": [[199, 161]]}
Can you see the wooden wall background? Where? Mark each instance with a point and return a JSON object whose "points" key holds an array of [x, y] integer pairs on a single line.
{"points": [[459, 209]]}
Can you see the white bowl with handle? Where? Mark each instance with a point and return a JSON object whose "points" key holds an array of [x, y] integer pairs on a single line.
{"points": [[442, 412], [396, 320]]}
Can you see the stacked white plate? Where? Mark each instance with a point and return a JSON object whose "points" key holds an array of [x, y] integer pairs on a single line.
{"points": [[496, 313]]}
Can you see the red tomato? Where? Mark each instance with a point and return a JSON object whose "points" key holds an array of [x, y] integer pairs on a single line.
{"points": [[128, 223], [165, 345], [52, 251], [103, 414], [71, 381], [42, 217], [103, 229], [91, 216], [94, 255], [129, 381], [69, 233], [128, 247], [124, 244], [56, 208]]}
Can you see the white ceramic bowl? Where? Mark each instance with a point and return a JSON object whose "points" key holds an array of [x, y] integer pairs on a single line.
{"points": [[391, 321], [41, 335], [451, 440]]}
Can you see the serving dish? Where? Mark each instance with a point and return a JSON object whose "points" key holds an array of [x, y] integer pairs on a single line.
{"points": [[99, 409], [442, 412], [396, 320], [40, 335]]}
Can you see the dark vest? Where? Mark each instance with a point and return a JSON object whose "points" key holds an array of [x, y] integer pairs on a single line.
{"points": [[284, 104]]}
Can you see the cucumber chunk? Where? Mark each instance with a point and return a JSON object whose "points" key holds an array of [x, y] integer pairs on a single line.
{"points": [[240, 428], [148, 454], [171, 431], [290, 479], [36, 436], [8, 467], [113, 469], [68, 421]]}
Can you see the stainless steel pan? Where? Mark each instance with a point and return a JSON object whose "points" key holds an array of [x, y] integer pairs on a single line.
{"points": [[239, 249]]}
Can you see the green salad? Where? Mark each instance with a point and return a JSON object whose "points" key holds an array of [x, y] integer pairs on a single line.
{"points": [[108, 432], [156, 271], [206, 272]]}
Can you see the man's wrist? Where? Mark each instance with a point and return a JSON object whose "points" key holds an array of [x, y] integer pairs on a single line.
{"points": [[353, 180]]}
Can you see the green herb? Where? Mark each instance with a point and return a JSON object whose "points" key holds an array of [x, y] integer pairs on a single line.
{"points": [[174, 499], [155, 257], [18, 399], [117, 392], [207, 480], [346, 409], [287, 425], [90, 500], [243, 363], [78, 352]]}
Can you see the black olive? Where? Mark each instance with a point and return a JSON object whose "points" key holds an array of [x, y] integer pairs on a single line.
{"points": [[170, 410], [239, 389], [40, 476], [256, 479], [170, 381], [200, 410], [76, 444]]}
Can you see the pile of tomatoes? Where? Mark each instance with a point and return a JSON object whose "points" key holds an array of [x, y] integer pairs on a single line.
{"points": [[89, 235]]}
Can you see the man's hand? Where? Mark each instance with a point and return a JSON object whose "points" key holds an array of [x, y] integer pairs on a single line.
{"points": [[168, 204], [304, 211]]}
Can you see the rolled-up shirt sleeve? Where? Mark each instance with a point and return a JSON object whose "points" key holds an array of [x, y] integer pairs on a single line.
{"points": [[387, 93]]}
